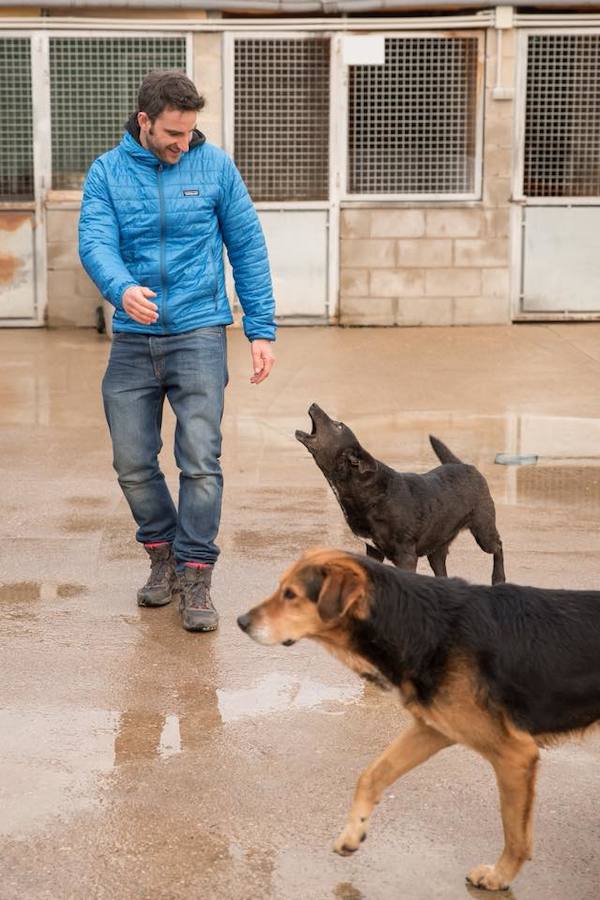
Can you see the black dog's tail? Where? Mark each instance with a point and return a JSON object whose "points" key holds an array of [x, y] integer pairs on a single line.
{"points": [[442, 452]]}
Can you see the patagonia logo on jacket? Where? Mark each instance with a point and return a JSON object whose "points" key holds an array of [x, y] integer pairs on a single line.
{"points": [[191, 192]]}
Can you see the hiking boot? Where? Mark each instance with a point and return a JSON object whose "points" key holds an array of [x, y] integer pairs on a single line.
{"points": [[195, 605], [158, 590]]}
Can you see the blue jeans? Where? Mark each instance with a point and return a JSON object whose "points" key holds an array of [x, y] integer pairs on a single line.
{"points": [[190, 370]]}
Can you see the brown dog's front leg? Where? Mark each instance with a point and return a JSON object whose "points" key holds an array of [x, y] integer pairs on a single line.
{"points": [[515, 765], [417, 744]]}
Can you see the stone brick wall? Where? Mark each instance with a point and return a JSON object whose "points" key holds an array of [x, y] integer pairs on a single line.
{"points": [[437, 263]]}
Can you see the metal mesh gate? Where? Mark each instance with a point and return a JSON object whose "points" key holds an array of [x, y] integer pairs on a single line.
{"points": [[562, 116], [412, 121], [93, 85], [16, 137], [281, 142]]}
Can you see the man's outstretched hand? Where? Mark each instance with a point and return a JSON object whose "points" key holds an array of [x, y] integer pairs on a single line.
{"points": [[262, 360], [138, 307]]}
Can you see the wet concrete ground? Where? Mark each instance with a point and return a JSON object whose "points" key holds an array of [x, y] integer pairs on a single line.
{"points": [[139, 761]]}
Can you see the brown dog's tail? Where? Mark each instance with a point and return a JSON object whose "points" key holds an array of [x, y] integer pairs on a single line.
{"points": [[442, 452]]}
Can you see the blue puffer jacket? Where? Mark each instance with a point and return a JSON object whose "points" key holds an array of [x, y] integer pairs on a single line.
{"points": [[145, 222]]}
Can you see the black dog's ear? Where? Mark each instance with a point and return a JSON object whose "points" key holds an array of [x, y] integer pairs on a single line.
{"points": [[362, 461], [341, 590]]}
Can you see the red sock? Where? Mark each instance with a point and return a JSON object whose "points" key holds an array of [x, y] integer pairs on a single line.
{"points": [[195, 565], [157, 544]]}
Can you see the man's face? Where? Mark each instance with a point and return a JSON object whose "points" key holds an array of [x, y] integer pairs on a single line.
{"points": [[169, 135]]}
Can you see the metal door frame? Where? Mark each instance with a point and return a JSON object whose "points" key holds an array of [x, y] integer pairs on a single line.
{"points": [[40, 101], [519, 201], [332, 204]]}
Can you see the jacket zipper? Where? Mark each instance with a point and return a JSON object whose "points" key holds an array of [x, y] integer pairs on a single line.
{"points": [[215, 279], [163, 234]]}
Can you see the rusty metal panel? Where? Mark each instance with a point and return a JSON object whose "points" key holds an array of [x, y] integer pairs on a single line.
{"points": [[17, 284]]}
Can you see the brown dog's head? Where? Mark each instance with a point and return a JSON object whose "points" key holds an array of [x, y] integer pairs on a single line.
{"points": [[317, 597]]}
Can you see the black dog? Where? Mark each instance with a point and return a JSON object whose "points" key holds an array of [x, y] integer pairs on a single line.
{"points": [[503, 670], [403, 516]]}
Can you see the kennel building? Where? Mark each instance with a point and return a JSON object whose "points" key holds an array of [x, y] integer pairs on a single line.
{"points": [[412, 163]]}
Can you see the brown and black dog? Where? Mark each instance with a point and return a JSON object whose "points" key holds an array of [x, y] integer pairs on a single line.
{"points": [[503, 670], [402, 515]]}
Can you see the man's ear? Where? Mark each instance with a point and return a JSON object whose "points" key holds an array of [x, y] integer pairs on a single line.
{"points": [[143, 120], [361, 460], [342, 589]]}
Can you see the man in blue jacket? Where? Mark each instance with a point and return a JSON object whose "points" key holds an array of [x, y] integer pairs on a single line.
{"points": [[155, 214]]}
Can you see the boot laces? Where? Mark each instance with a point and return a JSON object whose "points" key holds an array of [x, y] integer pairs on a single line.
{"points": [[159, 571], [197, 595]]}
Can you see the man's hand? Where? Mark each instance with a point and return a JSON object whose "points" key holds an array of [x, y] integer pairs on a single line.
{"points": [[138, 307], [262, 360]]}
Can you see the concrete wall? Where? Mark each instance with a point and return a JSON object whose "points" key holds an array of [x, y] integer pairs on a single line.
{"points": [[437, 264], [208, 78], [72, 297]]}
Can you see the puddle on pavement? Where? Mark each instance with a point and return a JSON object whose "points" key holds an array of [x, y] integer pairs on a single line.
{"points": [[22, 601], [280, 693], [567, 471], [32, 591], [53, 759], [51, 762]]}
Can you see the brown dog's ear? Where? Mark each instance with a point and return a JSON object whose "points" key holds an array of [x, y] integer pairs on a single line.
{"points": [[341, 590]]}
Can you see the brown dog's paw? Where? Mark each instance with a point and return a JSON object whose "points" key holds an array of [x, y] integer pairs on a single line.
{"points": [[487, 878], [349, 841]]}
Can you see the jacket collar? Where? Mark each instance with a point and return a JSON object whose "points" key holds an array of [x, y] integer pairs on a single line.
{"points": [[131, 143]]}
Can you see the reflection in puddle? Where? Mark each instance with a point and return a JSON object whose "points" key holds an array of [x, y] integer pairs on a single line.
{"points": [[559, 485], [568, 447], [170, 738], [281, 693], [51, 761]]}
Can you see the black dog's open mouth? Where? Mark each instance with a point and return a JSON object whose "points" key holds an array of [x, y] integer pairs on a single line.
{"points": [[304, 436]]}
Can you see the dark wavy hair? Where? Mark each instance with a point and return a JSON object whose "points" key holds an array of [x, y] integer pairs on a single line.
{"points": [[164, 88]]}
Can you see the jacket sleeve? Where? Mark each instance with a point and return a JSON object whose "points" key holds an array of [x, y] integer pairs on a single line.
{"points": [[99, 238], [247, 252]]}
